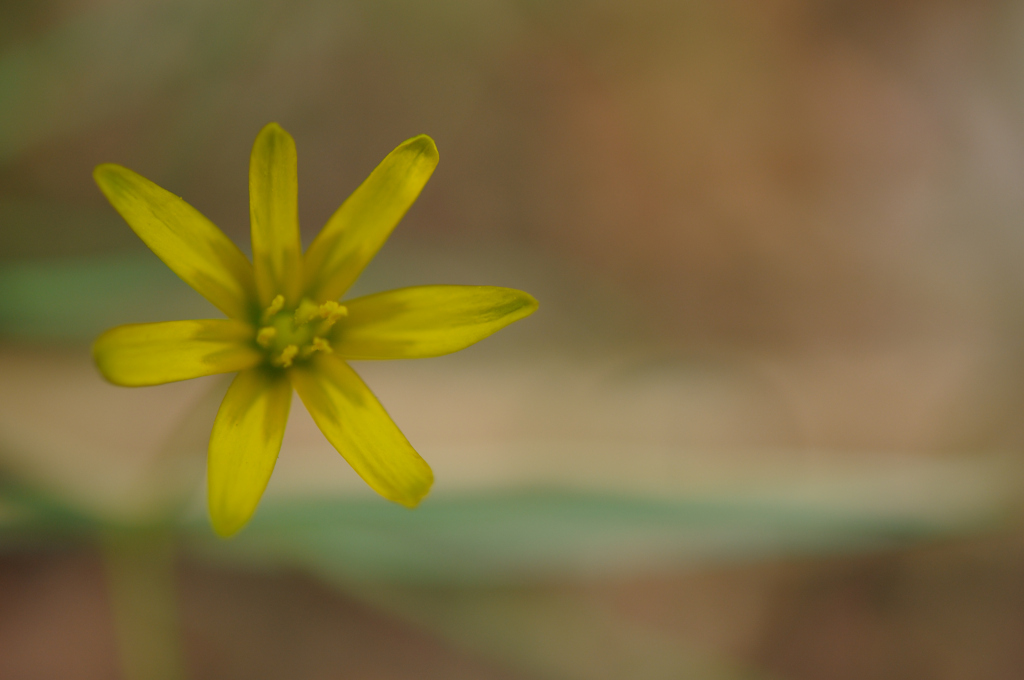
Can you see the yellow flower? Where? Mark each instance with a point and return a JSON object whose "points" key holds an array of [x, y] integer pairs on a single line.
{"points": [[285, 328]]}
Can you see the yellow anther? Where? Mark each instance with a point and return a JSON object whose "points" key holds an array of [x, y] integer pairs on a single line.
{"points": [[284, 359], [306, 312], [266, 336], [331, 311], [275, 306], [318, 345]]}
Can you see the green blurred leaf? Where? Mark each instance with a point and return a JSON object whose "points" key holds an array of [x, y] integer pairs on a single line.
{"points": [[76, 300], [513, 536]]}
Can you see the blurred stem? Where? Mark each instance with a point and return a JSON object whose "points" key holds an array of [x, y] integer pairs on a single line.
{"points": [[141, 579]]}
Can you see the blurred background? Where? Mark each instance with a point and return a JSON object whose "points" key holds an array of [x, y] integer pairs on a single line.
{"points": [[765, 424]]}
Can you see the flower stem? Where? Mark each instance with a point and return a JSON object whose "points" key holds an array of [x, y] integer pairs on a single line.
{"points": [[140, 575]]}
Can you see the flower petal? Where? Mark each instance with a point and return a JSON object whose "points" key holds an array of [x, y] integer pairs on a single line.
{"points": [[244, 445], [274, 212], [157, 353], [360, 429], [187, 242], [426, 321], [360, 226]]}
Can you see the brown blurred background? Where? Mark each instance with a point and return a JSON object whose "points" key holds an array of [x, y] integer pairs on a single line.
{"points": [[772, 394]]}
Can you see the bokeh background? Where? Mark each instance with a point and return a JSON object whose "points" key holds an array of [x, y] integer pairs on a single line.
{"points": [[765, 424]]}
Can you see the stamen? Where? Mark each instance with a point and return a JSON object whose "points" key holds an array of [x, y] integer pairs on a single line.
{"points": [[306, 312], [331, 311], [275, 306], [284, 359], [266, 336], [318, 345]]}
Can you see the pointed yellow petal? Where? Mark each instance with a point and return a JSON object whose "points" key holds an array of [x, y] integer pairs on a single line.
{"points": [[360, 226], [426, 321], [358, 427], [244, 445], [157, 353], [273, 208], [187, 242]]}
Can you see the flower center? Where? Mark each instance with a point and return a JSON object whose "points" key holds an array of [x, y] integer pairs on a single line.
{"points": [[289, 335]]}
